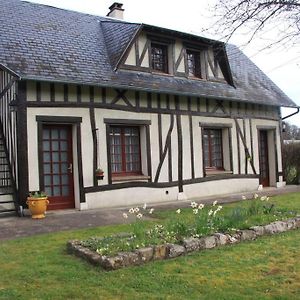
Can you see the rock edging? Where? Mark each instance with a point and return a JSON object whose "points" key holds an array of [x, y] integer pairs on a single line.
{"points": [[166, 251]]}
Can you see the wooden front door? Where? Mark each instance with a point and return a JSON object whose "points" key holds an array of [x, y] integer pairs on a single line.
{"points": [[57, 166], [264, 158]]}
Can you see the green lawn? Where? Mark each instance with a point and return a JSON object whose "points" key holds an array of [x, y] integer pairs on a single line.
{"points": [[268, 268]]}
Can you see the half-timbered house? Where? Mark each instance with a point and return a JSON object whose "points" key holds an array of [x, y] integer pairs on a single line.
{"points": [[167, 115]]}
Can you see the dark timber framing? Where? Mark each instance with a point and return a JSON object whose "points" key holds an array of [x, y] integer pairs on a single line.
{"points": [[192, 147], [247, 154], [116, 186], [22, 148], [167, 148], [180, 147]]}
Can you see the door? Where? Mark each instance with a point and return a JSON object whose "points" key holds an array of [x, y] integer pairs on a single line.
{"points": [[57, 166], [264, 158]]}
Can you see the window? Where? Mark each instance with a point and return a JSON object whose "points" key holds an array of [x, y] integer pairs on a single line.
{"points": [[159, 57], [193, 63], [125, 150], [212, 145]]}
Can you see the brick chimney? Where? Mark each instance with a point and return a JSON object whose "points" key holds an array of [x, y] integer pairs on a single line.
{"points": [[116, 11]]}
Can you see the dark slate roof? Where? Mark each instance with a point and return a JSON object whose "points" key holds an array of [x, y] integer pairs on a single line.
{"points": [[45, 43], [117, 37]]}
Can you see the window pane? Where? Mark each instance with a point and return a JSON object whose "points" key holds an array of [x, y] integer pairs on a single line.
{"points": [[125, 149], [64, 179], [46, 156], [54, 134], [47, 168], [159, 57], [46, 145], [56, 179], [194, 63], [54, 146], [212, 148], [47, 180], [63, 146], [46, 134], [55, 156], [63, 134], [56, 191]]}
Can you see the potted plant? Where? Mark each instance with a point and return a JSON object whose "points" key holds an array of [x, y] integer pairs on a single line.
{"points": [[99, 173], [37, 203]]}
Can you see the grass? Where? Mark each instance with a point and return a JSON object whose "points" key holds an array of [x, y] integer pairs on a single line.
{"points": [[269, 268]]}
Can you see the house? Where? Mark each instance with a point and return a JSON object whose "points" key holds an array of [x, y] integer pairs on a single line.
{"points": [[167, 115]]}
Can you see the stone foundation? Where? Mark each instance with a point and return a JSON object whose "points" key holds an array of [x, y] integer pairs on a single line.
{"points": [[165, 251]]}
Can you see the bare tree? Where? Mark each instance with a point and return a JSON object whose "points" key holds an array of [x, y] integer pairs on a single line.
{"points": [[291, 132], [259, 16]]}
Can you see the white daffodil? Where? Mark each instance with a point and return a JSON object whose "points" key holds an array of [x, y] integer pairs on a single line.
{"points": [[178, 211], [145, 206], [215, 212], [139, 216], [136, 210], [131, 211], [125, 216], [219, 207], [201, 206], [215, 203], [151, 211], [255, 196], [194, 204], [195, 211], [210, 212], [263, 198]]}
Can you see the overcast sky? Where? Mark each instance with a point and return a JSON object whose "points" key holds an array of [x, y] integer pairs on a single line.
{"points": [[192, 16]]}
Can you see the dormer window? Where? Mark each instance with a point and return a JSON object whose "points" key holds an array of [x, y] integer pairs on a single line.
{"points": [[193, 64], [159, 57]]}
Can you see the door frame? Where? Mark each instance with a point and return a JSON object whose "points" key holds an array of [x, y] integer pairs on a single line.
{"points": [[272, 153], [75, 122]]}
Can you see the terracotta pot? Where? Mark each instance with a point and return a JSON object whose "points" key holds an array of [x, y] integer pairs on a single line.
{"points": [[99, 175], [37, 206]]}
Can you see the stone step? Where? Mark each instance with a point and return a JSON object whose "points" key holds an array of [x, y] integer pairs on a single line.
{"points": [[6, 198], [7, 190]]}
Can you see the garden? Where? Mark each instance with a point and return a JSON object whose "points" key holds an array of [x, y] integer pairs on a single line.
{"points": [[182, 231], [39, 267]]}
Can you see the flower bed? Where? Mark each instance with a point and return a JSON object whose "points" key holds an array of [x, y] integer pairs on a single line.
{"points": [[166, 251], [185, 231]]}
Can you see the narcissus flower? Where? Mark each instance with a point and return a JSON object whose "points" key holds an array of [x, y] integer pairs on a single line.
{"points": [[201, 206], [194, 204]]}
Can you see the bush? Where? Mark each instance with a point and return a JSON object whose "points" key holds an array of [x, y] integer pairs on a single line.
{"points": [[291, 161]]}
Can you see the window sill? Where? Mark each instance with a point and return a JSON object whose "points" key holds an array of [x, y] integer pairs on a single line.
{"points": [[217, 172], [130, 178]]}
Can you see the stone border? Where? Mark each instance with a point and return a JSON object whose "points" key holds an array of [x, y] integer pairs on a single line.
{"points": [[165, 251]]}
